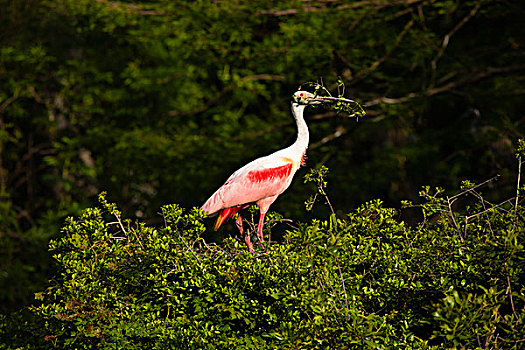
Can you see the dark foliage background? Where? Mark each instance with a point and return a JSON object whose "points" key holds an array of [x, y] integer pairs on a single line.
{"points": [[158, 102]]}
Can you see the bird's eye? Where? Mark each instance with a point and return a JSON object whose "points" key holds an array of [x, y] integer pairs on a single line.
{"points": [[302, 94]]}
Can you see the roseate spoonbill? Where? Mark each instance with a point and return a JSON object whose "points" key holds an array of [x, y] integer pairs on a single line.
{"points": [[264, 179]]}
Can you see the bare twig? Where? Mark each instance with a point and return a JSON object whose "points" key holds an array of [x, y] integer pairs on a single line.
{"points": [[376, 4], [3, 180], [227, 89], [446, 38], [339, 131], [344, 290], [279, 126], [260, 132], [483, 201], [475, 187], [495, 206], [191, 250], [391, 100], [140, 9], [118, 238], [509, 292], [451, 213], [164, 218], [474, 77], [119, 222], [332, 288], [325, 115], [330, 205], [469, 78], [517, 194], [378, 62], [185, 244], [10, 100], [324, 290]]}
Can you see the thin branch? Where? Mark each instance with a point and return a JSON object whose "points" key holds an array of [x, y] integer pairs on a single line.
{"points": [[185, 244], [375, 4], [325, 115], [332, 288], [119, 222], [474, 77], [517, 194], [279, 126], [140, 9], [378, 62], [3, 180], [451, 213], [318, 279], [272, 129], [475, 187], [10, 100], [449, 35], [263, 132], [483, 201], [164, 218], [191, 250], [391, 100], [224, 91], [470, 77], [509, 292], [330, 205], [489, 209], [117, 238], [344, 289], [340, 131]]}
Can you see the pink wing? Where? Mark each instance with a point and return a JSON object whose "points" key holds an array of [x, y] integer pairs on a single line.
{"points": [[249, 184]]}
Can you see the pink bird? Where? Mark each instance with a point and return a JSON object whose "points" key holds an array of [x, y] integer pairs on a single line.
{"points": [[264, 179]]}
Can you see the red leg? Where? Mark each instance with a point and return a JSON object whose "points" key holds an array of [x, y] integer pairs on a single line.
{"points": [[260, 228], [238, 222], [264, 205]]}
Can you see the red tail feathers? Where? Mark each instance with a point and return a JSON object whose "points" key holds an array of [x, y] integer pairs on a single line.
{"points": [[224, 214]]}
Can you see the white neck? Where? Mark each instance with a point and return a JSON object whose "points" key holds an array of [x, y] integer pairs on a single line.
{"points": [[303, 136]]}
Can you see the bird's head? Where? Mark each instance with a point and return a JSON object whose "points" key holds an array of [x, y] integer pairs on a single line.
{"points": [[306, 98], [302, 99]]}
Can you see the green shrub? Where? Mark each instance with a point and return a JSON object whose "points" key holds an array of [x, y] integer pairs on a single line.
{"points": [[368, 280]]}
